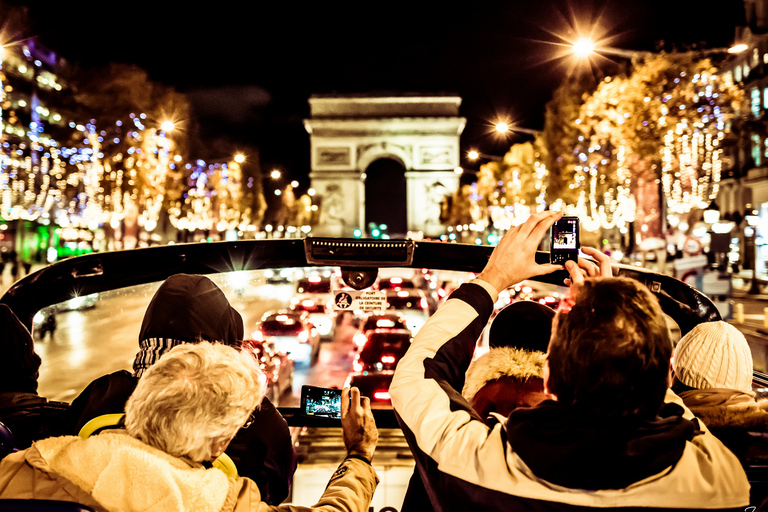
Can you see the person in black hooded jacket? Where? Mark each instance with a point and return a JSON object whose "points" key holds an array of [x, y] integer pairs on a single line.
{"points": [[188, 309], [28, 415]]}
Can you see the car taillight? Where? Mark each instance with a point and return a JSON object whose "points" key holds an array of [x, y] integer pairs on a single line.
{"points": [[303, 336], [403, 294], [356, 366], [388, 359], [308, 303], [381, 395], [360, 339], [423, 303]]}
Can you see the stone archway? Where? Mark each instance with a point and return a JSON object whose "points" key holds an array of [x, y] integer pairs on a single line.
{"points": [[385, 196], [350, 135]]}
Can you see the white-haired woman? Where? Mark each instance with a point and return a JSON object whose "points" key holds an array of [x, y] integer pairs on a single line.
{"points": [[184, 412]]}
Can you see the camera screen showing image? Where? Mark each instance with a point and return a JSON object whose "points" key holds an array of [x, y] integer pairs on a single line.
{"points": [[565, 234], [321, 402]]}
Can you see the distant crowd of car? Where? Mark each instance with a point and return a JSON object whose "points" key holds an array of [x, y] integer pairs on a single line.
{"points": [[291, 337]]}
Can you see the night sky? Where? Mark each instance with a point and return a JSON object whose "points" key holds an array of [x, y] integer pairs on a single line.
{"points": [[250, 67]]}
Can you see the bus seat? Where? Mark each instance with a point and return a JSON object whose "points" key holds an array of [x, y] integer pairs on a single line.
{"points": [[116, 421]]}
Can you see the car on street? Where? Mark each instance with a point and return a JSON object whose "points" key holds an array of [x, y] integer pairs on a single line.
{"points": [[384, 320], [291, 332], [412, 304], [319, 313], [375, 363]]}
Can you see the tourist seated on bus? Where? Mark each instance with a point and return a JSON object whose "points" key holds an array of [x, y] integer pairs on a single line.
{"points": [[28, 415], [510, 374], [611, 436], [187, 309], [713, 376], [182, 415]]}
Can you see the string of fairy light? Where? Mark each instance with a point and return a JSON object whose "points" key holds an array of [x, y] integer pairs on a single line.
{"points": [[99, 174], [692, 121]]}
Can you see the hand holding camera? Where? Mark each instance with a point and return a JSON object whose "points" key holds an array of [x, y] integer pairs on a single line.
{"points": [[357, 423]]}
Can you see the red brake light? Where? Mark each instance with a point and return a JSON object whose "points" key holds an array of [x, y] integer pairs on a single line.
{"points": [[388, 359], [402, 294], [423, 303], [396, 280], [381, 395], [308, 303], [315, 279]]}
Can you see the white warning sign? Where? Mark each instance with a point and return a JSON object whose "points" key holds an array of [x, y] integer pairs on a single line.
{"points": [[354, 300]]}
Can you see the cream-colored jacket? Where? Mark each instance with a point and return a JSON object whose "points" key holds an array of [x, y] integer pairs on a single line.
{"points": [[117, 473]]}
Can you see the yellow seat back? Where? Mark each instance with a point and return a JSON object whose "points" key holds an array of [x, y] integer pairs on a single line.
{"points": [[115, 421]]}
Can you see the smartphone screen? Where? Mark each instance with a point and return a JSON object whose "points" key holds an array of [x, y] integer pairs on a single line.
{"points": [[564, 236], [321, 402]]}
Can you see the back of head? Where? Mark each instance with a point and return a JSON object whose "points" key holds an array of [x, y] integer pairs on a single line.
{"points": [[20, 364], [194, 393], [525, 325], [186, 309], [714, 355], [610, 354]]}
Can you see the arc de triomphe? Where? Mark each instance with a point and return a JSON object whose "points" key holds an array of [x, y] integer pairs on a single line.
{"points": [[384, 160]]}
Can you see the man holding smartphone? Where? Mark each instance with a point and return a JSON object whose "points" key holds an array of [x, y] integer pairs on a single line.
{"points": [[612, 436]]}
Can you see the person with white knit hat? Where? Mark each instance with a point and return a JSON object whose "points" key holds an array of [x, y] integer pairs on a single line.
{"points": [[714, 355], [713, 375]]}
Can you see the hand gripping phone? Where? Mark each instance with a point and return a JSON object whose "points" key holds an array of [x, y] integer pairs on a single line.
{"points": [[564, 240]]}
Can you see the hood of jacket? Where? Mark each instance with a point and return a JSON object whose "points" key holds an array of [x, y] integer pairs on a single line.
{"points": [[186, 309], [727, 408], [20, 364], [581, 450], [123, 474], [191, 308], [502, 362]]}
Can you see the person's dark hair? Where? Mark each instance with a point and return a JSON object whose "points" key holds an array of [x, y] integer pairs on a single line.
{"points": [[611, 354], [524, 324]]}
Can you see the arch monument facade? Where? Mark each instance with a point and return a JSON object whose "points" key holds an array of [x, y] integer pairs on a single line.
{"points": [[349, 133]]}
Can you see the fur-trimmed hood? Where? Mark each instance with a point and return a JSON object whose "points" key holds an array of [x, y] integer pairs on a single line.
{"points": [[725, 408], [502, 362]]}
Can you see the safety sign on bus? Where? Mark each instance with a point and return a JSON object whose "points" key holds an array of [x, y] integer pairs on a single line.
{"points": [[356, 300]]}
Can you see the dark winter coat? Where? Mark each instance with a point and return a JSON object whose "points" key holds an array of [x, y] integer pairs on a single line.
{"points": [[28, 415], [547, 457]]}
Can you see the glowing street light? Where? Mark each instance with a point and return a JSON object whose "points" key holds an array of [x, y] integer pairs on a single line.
{"points": [[275, 174], [584, 47], [473, 155], [502, 127], [167, 126], [239, 158]]}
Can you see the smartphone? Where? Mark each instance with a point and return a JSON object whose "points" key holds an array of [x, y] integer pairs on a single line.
{"points": [[321, 402], [564, 240]]}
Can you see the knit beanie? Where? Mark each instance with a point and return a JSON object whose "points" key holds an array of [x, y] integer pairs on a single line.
{"points": [[524, 324], [714, 355]]}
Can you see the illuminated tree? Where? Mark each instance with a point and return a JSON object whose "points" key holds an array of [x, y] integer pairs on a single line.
{"points": [[655, 134]]}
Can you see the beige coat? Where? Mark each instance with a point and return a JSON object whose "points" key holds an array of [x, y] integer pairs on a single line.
{"points": [[117, 473]]}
